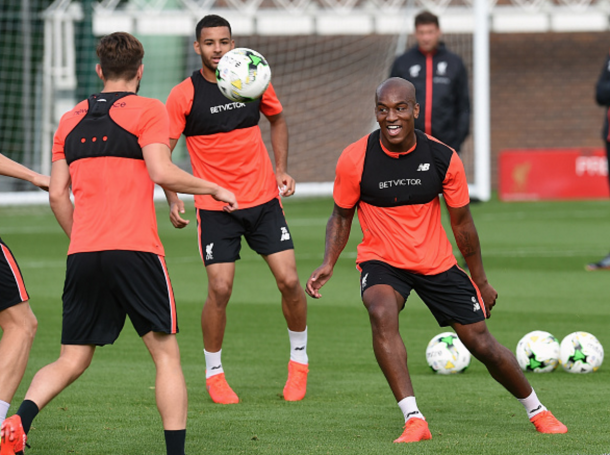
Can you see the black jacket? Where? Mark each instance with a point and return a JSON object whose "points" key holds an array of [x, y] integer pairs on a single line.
{"points": [[602, 94], [450, 110]]}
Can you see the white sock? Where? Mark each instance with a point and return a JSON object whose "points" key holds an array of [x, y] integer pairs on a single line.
{"points": [[213, 365], [3, 410], [532, 405], [409, 409], [298, 346]]}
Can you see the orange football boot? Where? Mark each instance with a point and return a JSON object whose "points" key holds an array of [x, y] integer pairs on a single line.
{"points": [[12, 436], [296, 384], [220, 391], [545, 422], [416, 429]]}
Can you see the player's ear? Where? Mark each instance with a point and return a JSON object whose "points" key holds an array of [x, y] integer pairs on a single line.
{"points": [[197, 47], [98, 70], [140, 72], [416, 110], [232, 44]]}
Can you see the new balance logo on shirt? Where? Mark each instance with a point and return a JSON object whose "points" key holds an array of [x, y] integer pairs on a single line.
{"points": [[423, 167]]}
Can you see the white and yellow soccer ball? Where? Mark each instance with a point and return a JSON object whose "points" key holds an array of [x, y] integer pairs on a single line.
{"points": [[243, 75], [538, 351], [581, 352], [446, 354]]}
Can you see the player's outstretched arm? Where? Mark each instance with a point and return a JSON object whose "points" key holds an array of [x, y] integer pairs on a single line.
{"points": [[467, 240], [279, 143], [169, 176], [176, 206], [11, 168], [337, 234], [59, 195]]}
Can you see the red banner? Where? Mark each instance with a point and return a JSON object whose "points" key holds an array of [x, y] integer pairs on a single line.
{"points": [[544, 174]]}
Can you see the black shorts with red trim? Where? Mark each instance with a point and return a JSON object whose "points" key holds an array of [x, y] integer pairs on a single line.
{"points": [[12, 286], [104, 287], [263, 226], [451, 296]]}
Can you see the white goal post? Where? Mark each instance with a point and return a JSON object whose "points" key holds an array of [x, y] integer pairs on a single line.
{"points": [[378, 27]]}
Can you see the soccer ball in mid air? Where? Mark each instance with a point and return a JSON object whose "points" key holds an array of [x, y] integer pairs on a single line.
{"points": [[581, 352], [243, 75], [446, 354], [538, 351]]}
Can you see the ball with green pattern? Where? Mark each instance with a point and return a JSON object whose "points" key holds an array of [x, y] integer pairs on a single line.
{"points": [[446, 354], [243, 75], [538, 351], [581, 352]]}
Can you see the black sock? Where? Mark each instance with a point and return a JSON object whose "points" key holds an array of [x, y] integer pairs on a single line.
{"points": [[27, 411], [174, 441]]}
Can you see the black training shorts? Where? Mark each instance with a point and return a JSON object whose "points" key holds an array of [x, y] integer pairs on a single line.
{"points": [[12, 287], [451, 296], [103, 287], [263, 226]]}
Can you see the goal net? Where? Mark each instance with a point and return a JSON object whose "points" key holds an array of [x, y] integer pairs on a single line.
{"points": [[325, 79]]}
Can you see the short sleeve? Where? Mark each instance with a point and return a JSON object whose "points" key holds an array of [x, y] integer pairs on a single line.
{"points": [[67, 122], [270, 104], [154, 125], [348, 174], [178, 105], [58, 146], [455, 185]]}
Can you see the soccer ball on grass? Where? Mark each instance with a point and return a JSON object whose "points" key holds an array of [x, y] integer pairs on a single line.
{"points": [[538, 351], [581, 352], [446, 354], [243, 75]]}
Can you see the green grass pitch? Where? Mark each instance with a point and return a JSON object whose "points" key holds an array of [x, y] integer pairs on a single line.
{"points": [[534, 255]]}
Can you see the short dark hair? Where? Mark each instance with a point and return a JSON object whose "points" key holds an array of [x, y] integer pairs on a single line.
{"points": [[120, 55], [425, 18], [210, 21]]}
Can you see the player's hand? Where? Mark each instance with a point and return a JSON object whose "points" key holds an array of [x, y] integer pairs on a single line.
{"points": [[489, 295], [318, 278], [175, 209], [42, 181], [224, 195], [285, 183]]}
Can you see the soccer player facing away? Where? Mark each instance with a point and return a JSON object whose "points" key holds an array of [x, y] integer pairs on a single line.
{"points": [[225, 146], [111, 149], [17, 321], [393, 177]]}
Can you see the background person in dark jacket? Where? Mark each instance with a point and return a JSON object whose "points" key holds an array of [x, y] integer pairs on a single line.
{"points": [[602, 96], [441, 83]]}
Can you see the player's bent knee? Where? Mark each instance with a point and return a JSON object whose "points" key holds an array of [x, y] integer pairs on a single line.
{"points": [[380, 313], [220, 291], [289, 284]]}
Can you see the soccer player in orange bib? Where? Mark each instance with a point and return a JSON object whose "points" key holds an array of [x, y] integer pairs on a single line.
{"points": [[225, 146], [17, 321], [394, 177], [111, 149]]}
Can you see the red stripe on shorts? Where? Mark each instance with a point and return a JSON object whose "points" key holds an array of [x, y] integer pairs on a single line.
{"points": [[16, 274], [170, 294], [483, 307], [199, 236]]}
